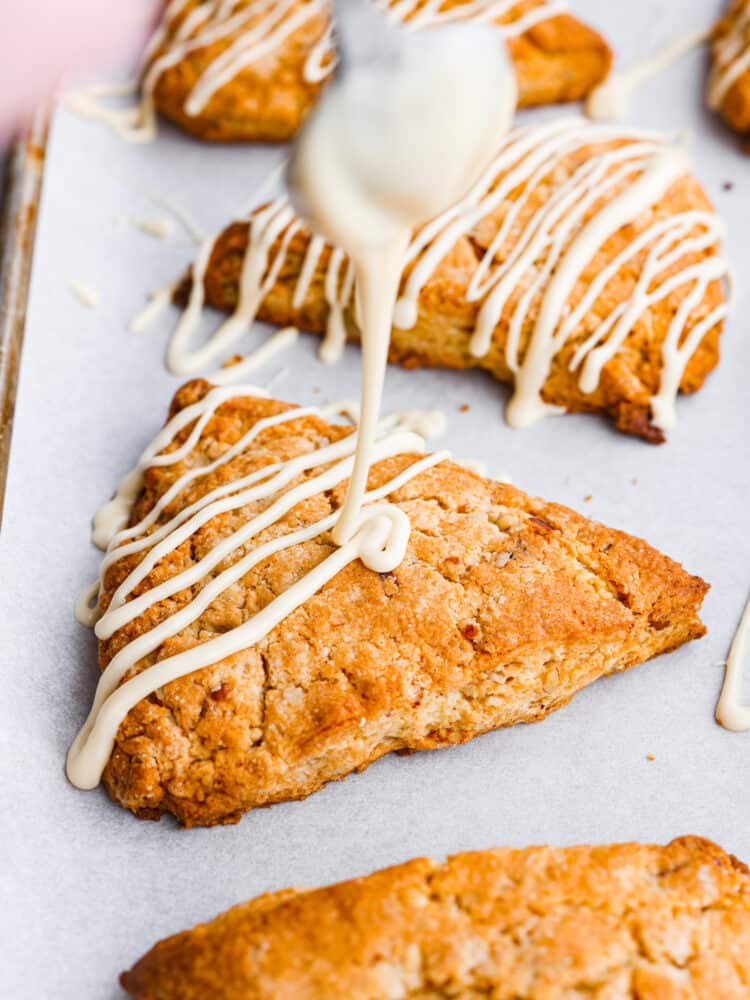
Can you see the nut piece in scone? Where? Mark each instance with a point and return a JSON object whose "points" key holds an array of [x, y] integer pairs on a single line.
{"points": [[626, 921], [503, 607]]}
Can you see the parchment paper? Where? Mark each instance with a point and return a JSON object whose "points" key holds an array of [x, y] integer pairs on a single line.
{"points": [[86, 888]]}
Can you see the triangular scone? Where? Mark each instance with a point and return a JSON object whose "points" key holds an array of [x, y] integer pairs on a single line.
{"points": [[250, 70], [729, 80], [613, 217], [624, 921], [503, 607]]}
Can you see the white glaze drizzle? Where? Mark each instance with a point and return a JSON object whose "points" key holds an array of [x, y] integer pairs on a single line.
{"points": [[425, 13], [263, 26], [730, 712], [280, 341], [181, 214], [379, 540], [131, 122], [428, 424], [337, 294], [158, 301], [84, 294], [158, 226], [609, 101], [259, 273], [731, 58], [544, 258], [256, 280], [357, 207]]}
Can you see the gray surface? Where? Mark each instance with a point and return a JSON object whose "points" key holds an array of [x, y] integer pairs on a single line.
{"points": [[86, 888]]}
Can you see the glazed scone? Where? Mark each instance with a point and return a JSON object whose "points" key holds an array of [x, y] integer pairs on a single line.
{"points": [[502, 608], [267, 96], [248, 71], [620, 922], [729, 80], [617, 215]]}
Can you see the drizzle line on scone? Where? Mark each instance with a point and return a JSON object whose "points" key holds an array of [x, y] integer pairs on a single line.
{"points": [[545, 258], [211, 22], [380, 542], [422, 13], [731, 58], [560, 244]]}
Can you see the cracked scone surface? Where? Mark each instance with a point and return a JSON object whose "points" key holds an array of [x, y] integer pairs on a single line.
{"points": [[502, 609], [558, 59], [447, 315], [732, 35], [621, 922]]}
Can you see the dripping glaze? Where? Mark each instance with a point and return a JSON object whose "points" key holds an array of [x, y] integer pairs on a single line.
{"points": [[371, 209], [553, 247], [263, 27], [398, 136]]}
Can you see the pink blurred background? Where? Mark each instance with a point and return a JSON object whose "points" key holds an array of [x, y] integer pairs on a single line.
{"points": [[46, 42]]}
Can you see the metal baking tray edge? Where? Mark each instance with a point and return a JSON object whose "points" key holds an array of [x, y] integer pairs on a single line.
{"points": [[18, 218]]}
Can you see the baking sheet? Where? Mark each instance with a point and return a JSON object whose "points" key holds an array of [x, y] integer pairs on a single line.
{"points": [[86, 888]]}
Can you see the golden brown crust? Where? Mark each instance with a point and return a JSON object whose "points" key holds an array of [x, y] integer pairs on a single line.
{"points": [[626, 922], [441, 335], [735, 104], [265, 102], [557, 60], [503, 608]]}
